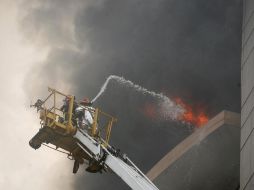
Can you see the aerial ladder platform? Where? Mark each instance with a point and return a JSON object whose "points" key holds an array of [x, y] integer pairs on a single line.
{"points": [[61, 130]]}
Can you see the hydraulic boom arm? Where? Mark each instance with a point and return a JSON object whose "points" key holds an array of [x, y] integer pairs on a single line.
{"points": [[124, 168]]}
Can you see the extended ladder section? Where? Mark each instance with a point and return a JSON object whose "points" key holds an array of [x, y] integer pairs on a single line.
{"points": [[124, 168], [63, 125]]}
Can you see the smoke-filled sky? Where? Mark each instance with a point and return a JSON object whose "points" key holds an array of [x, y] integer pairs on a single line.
{"points": [[187, 49]]}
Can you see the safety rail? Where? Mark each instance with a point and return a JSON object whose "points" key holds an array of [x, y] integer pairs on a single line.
{"points": [[50, 116], [108, 127]]}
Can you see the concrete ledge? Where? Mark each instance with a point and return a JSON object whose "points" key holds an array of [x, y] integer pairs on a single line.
{"points": [[224, 117]]}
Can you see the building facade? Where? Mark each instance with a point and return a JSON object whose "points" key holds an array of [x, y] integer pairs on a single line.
{"points": [[207, 159], [247, 99]]}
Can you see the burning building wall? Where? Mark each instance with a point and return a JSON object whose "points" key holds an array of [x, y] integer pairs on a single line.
{"points": [[247, 102], [207, 159]]}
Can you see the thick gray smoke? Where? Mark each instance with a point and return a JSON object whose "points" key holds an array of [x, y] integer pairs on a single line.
{"points": [[182, 48]]}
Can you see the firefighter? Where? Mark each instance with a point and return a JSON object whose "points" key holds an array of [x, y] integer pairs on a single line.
{"points": [[83, 114], [65, 107]]}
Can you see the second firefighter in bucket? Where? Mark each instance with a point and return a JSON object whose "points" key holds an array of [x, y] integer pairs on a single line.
{"points": [[84, 114]]}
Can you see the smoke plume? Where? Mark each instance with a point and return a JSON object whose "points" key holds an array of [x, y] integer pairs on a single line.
{"points": [[187, 49]]}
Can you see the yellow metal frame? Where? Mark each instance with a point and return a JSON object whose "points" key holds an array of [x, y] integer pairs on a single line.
{"points": [[97, 113], [49, 117]]}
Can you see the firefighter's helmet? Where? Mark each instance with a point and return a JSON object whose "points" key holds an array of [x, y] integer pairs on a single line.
{"points": [[85, 101]]}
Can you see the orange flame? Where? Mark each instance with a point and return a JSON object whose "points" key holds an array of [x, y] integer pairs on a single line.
{"points": [[194, 115], [197, 117]]}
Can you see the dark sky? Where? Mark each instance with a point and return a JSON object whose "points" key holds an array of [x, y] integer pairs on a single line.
{"points": [[189, 49]]}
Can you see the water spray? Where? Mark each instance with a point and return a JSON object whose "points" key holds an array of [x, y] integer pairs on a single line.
{"points": [[169, 109]]}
